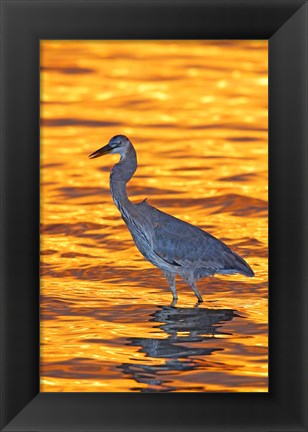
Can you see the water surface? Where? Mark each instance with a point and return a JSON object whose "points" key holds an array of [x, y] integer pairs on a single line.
{"points": [[196, 112]]}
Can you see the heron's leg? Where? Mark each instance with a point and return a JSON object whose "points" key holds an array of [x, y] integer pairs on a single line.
{"points": [[190, 279], [171, 281], [196, 305], [194, 287]]}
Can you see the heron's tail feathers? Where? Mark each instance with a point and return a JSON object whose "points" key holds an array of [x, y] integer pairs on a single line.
{"points": [[242, 267]]}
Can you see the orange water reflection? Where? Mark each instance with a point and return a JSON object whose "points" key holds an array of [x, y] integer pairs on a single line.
{"points": [[196, 112]]}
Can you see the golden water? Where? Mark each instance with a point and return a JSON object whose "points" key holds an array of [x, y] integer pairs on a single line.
{"points": [[197, 113]]}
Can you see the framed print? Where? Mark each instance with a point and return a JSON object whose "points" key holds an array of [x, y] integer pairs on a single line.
{"points": [[57, 53]]}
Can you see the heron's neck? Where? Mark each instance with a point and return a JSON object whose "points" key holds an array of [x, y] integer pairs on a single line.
{"points": [[120, 175]]}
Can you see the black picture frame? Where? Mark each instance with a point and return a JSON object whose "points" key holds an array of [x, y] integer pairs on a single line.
{"points": [[23, 25]]}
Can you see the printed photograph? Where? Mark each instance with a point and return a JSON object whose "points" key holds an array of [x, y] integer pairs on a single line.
{"points": [[154, 216]]}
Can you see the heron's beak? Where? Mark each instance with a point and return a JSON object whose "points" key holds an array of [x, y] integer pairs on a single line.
{"points": [[101, 152]]}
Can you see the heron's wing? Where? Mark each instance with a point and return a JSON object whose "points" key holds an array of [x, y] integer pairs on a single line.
{"points": [[183, 244]]}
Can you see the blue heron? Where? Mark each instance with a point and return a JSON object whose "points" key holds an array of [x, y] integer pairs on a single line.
{"points": [[174, 246]]}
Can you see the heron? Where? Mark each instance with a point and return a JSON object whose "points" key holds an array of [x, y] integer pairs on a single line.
{"points": [[174, 246]]}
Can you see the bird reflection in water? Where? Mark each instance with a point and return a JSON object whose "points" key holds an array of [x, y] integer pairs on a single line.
{"points": [[183, 349]]}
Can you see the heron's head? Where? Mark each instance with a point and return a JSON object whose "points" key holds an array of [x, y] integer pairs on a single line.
{"points": [[118, 144]]}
